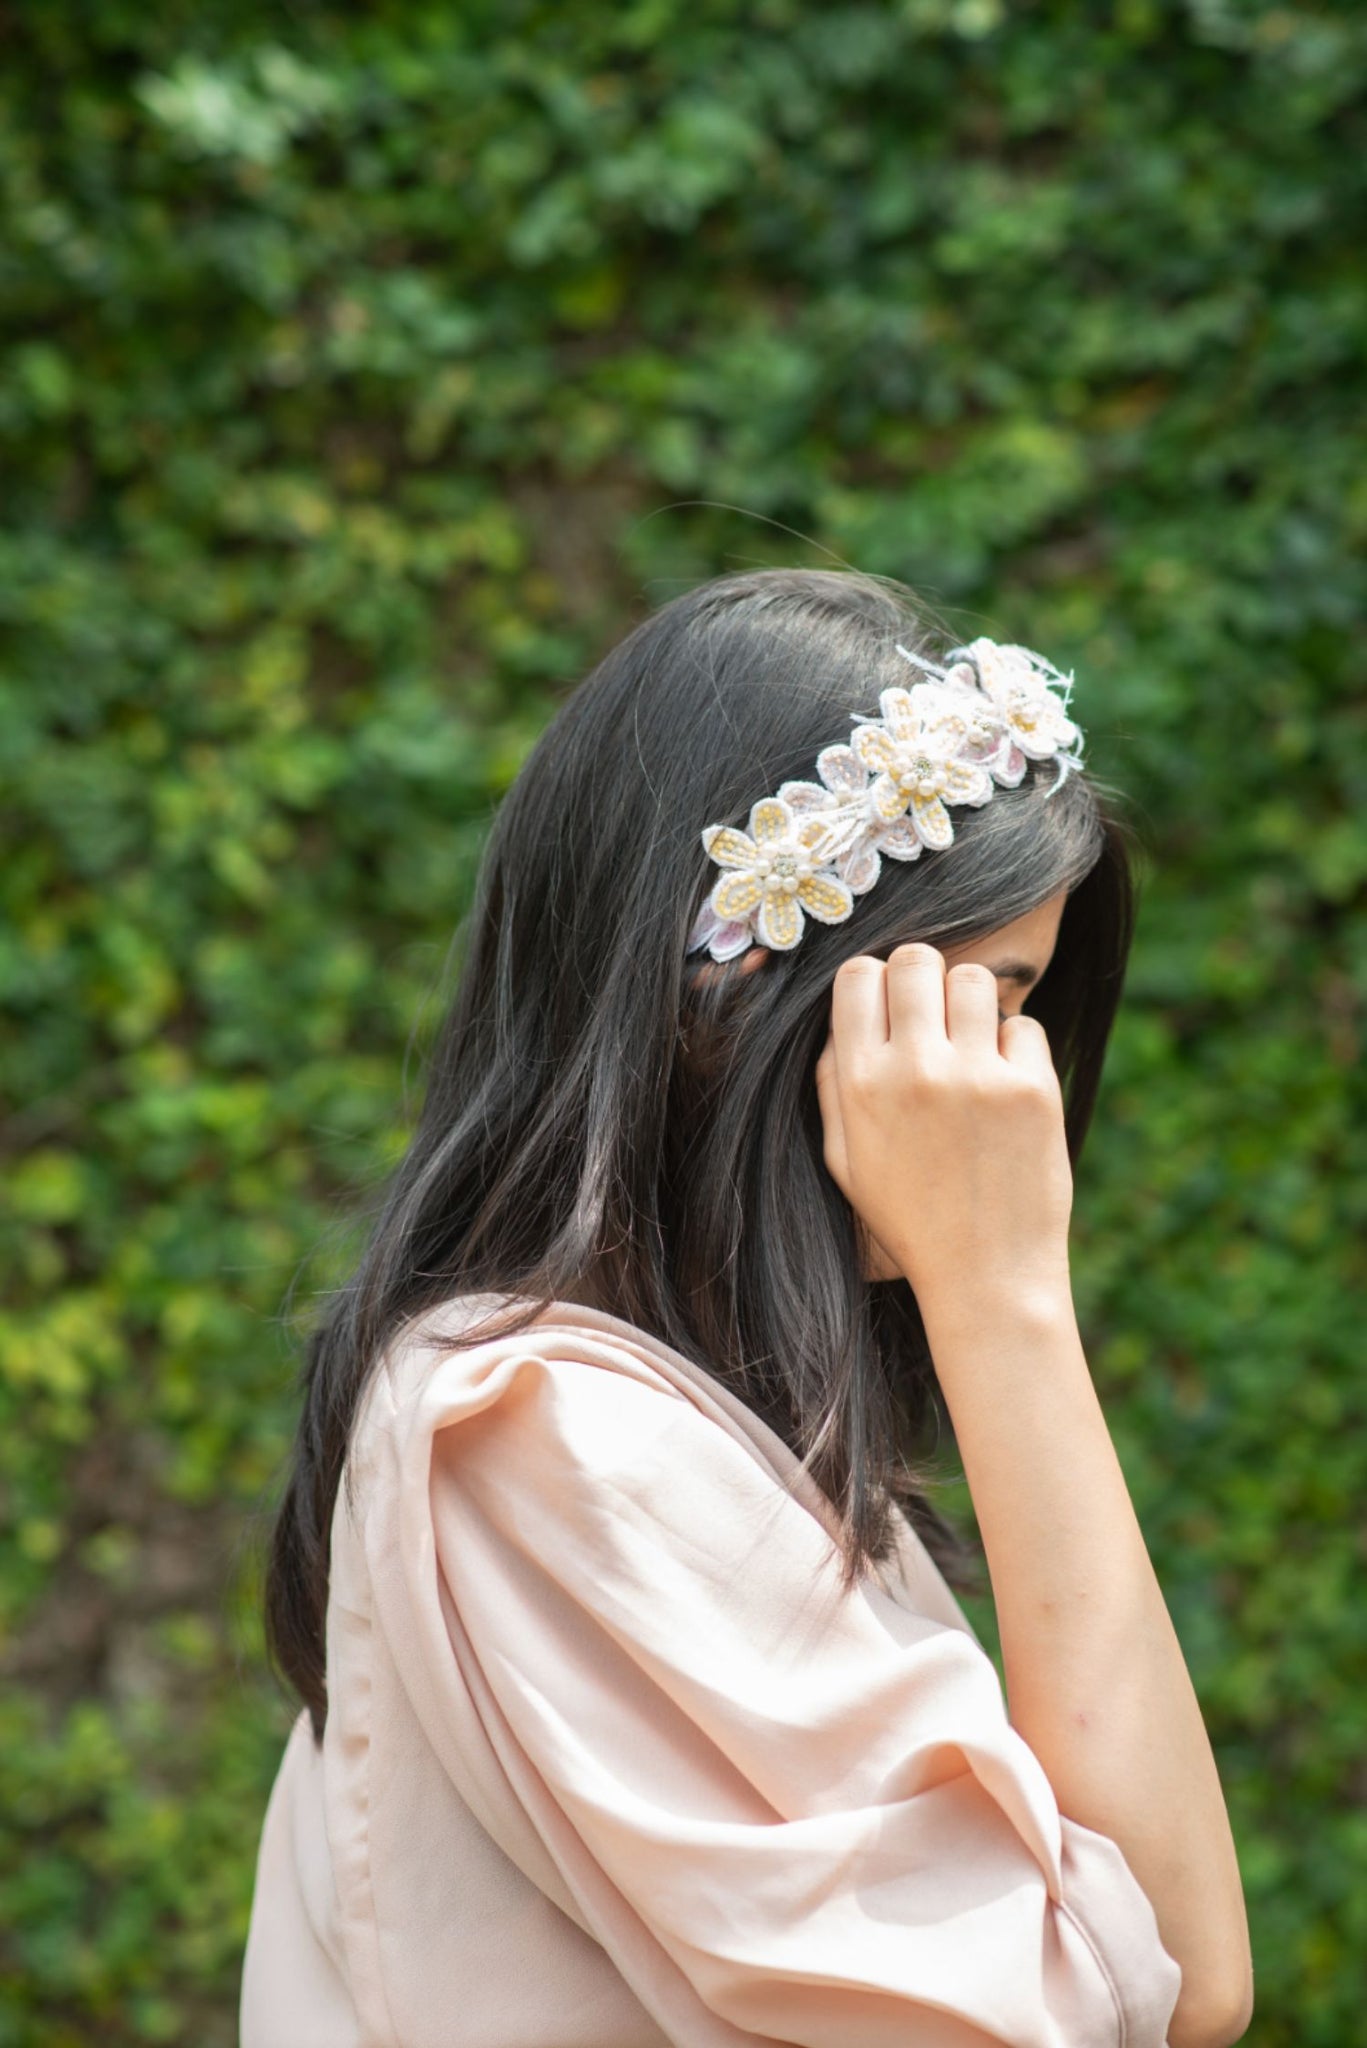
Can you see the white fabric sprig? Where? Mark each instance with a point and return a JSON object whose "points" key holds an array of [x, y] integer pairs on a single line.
{"points": [[812, 848]]}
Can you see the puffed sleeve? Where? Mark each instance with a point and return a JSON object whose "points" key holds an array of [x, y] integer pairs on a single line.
{"points": [[789, 1813]]}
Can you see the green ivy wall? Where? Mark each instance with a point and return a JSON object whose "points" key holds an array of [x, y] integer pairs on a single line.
{"points": [[368, 371]]}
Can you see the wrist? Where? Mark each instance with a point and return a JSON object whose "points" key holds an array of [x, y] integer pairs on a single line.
{"points": [[1039, 1302]]}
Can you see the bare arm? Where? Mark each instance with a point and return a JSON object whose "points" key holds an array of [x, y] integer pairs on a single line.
{"points": [[1095, 1677], [946, 1133]]}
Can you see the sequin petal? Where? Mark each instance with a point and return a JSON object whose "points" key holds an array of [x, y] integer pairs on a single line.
{"points": [[966, 783], [704, 925], [770, 819], [735, 895], [1054, 731], [899, 713], [780, 920], [942, 720], [931, 820], [860, 866], [731, 940], [730, 848], [804, 797], [874, 747], [888, 799], [723, 941], [826, 899], [900, 839], [812, 832], [840, 768]]}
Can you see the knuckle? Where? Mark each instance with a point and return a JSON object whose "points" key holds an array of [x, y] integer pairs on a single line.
{"points": [[1039, 1090], [862, 1075], [927, 1073], [914, 953], [971, 970]]}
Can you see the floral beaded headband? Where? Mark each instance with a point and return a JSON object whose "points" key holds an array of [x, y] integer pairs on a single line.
{"points": [[815, 846]]}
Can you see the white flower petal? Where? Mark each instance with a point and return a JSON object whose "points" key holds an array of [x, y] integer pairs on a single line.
{"points": [[842, 771], [826, 898], [705, 925], [859, 866], [770, 821], [900, 840], [802, 797], [735, 896], [731, 940], [780, 920], [728, 847]]}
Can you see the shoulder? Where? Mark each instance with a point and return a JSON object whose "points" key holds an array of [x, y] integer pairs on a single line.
{"points": [[581, 1409], [476, 1353], [577, 1421], [484, 1373], [476, 1370]]}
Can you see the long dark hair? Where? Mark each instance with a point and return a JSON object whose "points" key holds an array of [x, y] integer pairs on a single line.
{"points": [[604, 1124]]}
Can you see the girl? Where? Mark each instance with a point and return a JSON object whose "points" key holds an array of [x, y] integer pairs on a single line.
{"points": [[637, 1705]]}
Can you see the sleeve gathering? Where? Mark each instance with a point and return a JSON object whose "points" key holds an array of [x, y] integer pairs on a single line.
{"points": [[790, 1813]]}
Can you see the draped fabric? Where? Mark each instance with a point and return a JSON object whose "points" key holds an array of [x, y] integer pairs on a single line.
{"points": [[613, 1761]]}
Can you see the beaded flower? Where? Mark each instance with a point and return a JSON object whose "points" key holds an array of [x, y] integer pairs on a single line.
{"points": [[1036, 723], [776, 873], [814, 847]]}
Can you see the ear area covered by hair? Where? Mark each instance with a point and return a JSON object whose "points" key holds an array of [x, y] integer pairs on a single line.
{"points": [[786, 1809], [703, 971]]}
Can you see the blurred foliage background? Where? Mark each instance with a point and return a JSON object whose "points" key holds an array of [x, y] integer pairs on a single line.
{"points": [[370, 370]]}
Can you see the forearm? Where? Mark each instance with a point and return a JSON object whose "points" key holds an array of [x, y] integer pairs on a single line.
{"points": [[1095, 1676]]}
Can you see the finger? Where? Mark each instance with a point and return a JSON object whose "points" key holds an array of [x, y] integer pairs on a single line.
{"points": [[832, 1123], [1025, 1042], [832, 1128], [916, 994], [825, 1063], [859, 1010], [971, 1007]]}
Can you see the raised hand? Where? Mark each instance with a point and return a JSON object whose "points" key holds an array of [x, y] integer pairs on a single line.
{"points": [[944, 1128]]}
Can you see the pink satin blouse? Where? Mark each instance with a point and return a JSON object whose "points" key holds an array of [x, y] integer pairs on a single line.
{"points": [[611, 1760]]}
